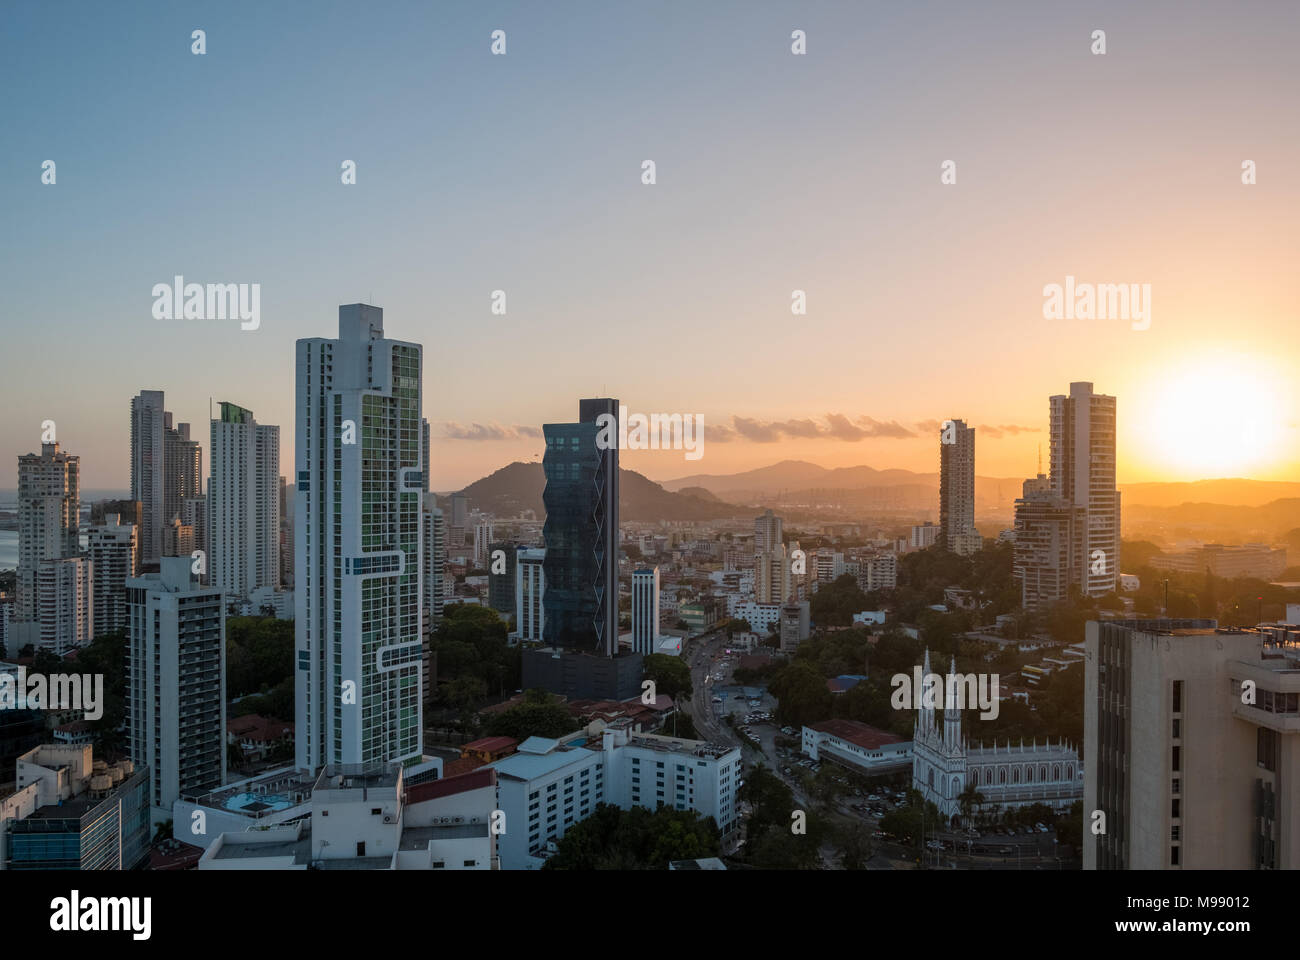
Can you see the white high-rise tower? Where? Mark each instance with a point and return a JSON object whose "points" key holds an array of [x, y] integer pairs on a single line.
{"points": [[358, 545], [243, 514], [49, 508], [1083, 476]]}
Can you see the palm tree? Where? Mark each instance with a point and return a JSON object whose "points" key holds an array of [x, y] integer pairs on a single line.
{"points": [[968, 800]]}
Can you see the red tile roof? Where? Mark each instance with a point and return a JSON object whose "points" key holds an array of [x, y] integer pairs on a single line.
{"points": [[447, 786], [869, 738], [491, 744]]}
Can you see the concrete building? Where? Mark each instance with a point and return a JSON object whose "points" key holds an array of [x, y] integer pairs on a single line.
{"points": [[857, 746], [878, 572], [482, 544], [373, 818], [924, 535], [243, 515], [176, 682], [1192, 739], [957, 488], [1256, 560], [359, 545], [72, 812], [773, 581], [795, 625], [550, 785], [66, 604], [502, 576], [645, 610], [1049, 545], [530, 587], [49, 510], [1082, 431], [767, 532], [433, 558]]}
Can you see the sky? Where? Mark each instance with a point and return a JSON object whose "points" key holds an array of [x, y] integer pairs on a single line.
{"points": [[775, 172]]}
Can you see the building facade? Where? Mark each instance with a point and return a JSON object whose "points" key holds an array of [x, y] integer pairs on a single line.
{"points": [[243, 514], [645, 609], [957, 488], [359, 544], [49, 511]]}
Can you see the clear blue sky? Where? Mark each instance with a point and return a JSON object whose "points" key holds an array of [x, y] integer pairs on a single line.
{"points": [[522, 173]]}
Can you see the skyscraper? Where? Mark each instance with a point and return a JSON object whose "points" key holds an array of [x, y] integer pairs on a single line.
{"points": [[434, 559], [581, 530], [957, 488], [243, 503], [501, 561], [182, 470], [49, 511], [65, 604], [147, 458], [111, 547], [1083, 475], [645, 609], [767, 531], [176, 682], [166, 469], [358, 543], [530, 588]]}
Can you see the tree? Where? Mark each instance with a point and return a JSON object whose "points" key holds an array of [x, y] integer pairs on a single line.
{"points": [[968, 800], [532, 719], [802, 692], [671, 676], [635, 839]]}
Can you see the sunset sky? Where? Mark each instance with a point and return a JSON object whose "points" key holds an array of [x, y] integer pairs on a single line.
{"points": [[775, 173]]}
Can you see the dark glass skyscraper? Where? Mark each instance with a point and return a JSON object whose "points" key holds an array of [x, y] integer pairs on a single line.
{"points": [[581, 531]]}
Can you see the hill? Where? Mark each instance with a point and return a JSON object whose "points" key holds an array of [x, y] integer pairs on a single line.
{"points": [[518, 487]]}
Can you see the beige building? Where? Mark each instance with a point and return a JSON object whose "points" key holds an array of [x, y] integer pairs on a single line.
{"points": [[1191, 751]]}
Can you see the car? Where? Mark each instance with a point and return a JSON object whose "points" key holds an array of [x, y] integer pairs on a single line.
{"points": [[1005, 851], [717, 699]]}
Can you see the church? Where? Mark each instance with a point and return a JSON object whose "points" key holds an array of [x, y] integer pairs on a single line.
{"points": [[1007, 775]]}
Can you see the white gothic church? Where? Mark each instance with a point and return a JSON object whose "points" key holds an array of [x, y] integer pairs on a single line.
{"points": [[943, 763]]}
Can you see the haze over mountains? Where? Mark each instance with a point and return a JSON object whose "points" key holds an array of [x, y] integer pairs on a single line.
{"points": [[1230, 509]]}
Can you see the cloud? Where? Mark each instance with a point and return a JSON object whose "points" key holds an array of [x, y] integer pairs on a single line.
{"points": [[1005, 430], [836, 426], [477, 431]]}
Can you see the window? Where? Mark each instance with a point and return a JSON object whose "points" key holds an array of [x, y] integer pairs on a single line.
{"points": [[1178, 696], [375, 811], [471, 863], [1176, 786], [1178, 758], [1178, 728], [1173, 856], [1174, 832], [1176, 808]]}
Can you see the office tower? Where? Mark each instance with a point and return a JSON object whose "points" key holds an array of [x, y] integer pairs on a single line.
{"points": [[182, 468], [286, 534], [957, 488], [1048, 544], [424, 454], [194, 514], [1191, 745], [581, 530], [767, 532], [65, 604], [358, 539], [530, 586], [459, 523], [147, 458], [645, 609], [176, 682], [482, 544], [243, 503], [502, 558], [434, 558], [773, 580], [49, 511], [1083, 475], [830, 566], [111, 549]]}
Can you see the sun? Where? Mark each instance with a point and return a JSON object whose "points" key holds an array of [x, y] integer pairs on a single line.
{"points": [[1220, 416]]}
